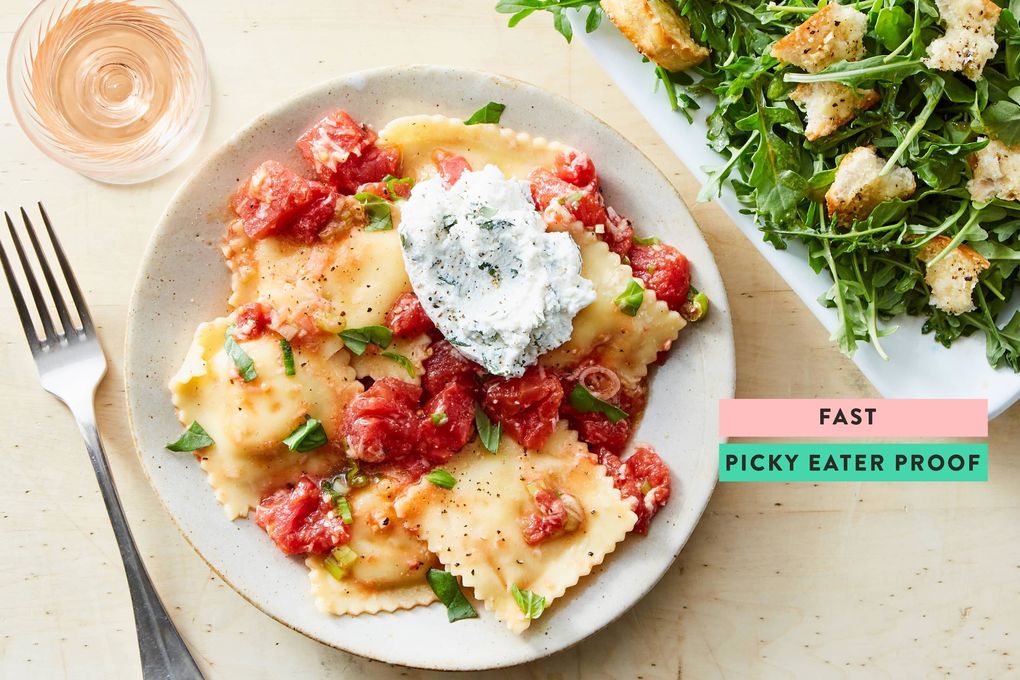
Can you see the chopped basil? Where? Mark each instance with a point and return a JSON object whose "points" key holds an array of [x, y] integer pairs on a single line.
{"points": [[445, 586], [377, 210], [288, 356], [194, 438], [358, 339], [309, 435], [343, 508], [439, 418], [531, 604], [487, 211], [490, 113], [488, 433], [442, 478], [629, 301], [391, 186], [244, 363], [650, 241], [338, 561], [403, 361], [586, 402]]}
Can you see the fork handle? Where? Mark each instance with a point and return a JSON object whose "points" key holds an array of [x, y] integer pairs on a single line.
{"points": [[163, 653]]}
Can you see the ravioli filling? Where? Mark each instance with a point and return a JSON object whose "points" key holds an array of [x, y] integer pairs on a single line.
{"points": [[493, 280]]}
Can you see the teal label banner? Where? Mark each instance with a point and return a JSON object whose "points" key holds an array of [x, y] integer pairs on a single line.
{"points": [[883, 462]]}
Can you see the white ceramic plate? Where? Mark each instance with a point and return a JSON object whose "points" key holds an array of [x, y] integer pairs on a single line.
{"points": [[183, 281], [918, 367]]}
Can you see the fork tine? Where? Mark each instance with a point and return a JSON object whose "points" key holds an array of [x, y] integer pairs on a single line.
{"points": [[51, 283], [19, 302], [40, 303], [72, 283]]}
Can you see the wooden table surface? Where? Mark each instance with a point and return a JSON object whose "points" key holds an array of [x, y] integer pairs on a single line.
{"points": [[778, 580]]}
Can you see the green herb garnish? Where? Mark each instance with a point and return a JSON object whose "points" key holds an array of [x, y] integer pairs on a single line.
{"points": [[308, 436], [490, 113], [445, 586], [439, 418], [358, 339], [586, 402], [403, 361], [391, 186], [193, 438], [629, 301], [343, 508], [339, 561], [441, 478], [487, 432], [650, 241], [288, 356], [531, 604], [243, 362], [378, 211]]}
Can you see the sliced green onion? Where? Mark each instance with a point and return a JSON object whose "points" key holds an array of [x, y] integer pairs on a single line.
{"points": [[487, 432], [441, 478], [288, 356], [650, 241], [192, 439], [445, 586], [439, 418], [696, 306], [244, 363], [586, 402], [343, 508], [338, 562], [403, 361], [391, 184], [490, 113], [629, 301], [358, 339], [531, 604], [377, 210], [308, 436]]}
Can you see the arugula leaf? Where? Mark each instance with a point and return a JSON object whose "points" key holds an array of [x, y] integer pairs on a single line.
{"points": [[194, 438], [288, 356], [441, 478], [308, 436], [521, 9], [403, 361], [586, 402], [378, 211], [530, 603], [490, 113], [358, 339], [629, 301], [445, 586], [487, 432], [244, 363], [1002, 121]]}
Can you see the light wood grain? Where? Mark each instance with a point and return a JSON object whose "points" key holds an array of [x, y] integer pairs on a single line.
{"points": [[783, 581]]}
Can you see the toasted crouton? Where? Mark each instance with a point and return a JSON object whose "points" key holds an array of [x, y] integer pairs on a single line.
{"points": [[830, 106], [969, 41], [833, 33], [657, 31], [858, 187], [996, 170], [953, 278]]}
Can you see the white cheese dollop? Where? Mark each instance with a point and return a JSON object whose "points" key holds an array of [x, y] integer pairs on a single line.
{"points": [[500, 287]]}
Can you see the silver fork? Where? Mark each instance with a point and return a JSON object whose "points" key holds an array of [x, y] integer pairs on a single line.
{"points": [[71, 365]]}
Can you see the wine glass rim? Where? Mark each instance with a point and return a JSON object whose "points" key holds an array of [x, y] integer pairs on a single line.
{"points": [[15, 69]]}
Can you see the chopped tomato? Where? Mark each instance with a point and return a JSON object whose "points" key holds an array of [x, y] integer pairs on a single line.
{"points": [[251, 321], [391, 191], [646, 479], [619, 234], [407, 318], [445, 365], [381, 423], [575, 167], [528, 407], [344, 154], [549, 518], [447, 422], [275, 197], [664, 270], [307, 226], [299, 520], [580, 203], [594, 428], [450, 165]]}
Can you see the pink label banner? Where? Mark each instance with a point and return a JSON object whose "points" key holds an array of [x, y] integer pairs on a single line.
{"points": [[918, 418]]}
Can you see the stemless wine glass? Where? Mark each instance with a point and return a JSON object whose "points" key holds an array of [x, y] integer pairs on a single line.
{"points": [[117, 90]]}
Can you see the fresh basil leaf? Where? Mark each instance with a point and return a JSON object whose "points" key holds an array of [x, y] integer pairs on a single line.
{"points": [[243, 362], [358, 339], [288, 356], [445, 586], [584, 401], [629, 301], [439, 418], [441, 478], [487, 432], [193, 438], [490, 113], [308, 436], [531, 604], [403, 361], [378, 211]]}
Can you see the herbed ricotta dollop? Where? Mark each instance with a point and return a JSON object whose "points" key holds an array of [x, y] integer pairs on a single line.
{"points": [[493, 280]]}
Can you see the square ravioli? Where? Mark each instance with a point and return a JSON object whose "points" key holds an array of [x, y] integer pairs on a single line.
{"points": [[476, 529]]}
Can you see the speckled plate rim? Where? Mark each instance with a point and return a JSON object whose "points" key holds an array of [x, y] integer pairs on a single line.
{"points": [[709, 344]]}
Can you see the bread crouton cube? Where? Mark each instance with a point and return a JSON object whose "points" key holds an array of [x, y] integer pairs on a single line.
{"points": [[996, 172], [830, 106], [833, 33], [657, 31], [969, 41], [859, 185], [953, 278]]}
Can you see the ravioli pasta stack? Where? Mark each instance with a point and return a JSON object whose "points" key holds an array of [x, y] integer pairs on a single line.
{"points": [[401, 526]]}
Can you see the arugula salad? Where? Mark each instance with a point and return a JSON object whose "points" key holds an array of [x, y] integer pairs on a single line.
{"points": [[882, 134]]}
